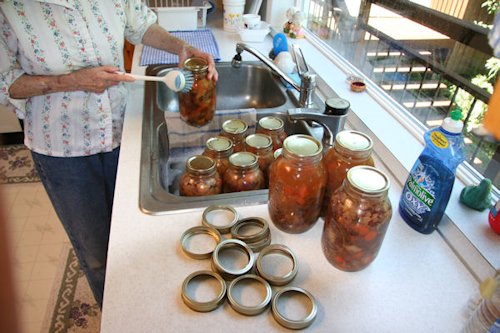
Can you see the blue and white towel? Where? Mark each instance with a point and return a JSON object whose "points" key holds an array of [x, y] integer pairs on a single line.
{"points": [[201, 39]]}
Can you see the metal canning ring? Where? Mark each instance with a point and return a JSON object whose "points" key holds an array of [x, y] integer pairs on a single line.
{"points": [[253, 221], [272, 279], [259, 245], [225, 229], [249, 310], [293, 323], [196, 231], [229, 273], [208, 305]]}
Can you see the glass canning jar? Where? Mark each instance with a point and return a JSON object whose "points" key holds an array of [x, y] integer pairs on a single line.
{"points": [[297, 181], [219, 148], [243, 173], [351, 148], [262, 146], [275, 128], [357, 219], [197, 106], [236, 130], [200, 177]]}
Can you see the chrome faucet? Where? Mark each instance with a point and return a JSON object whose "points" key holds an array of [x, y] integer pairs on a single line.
{"points": [[307, 80]]}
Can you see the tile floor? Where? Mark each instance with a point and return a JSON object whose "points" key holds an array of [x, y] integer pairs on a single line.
{"points": [[37, 240]]}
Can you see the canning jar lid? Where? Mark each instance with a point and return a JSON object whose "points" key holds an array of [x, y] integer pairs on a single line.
{"points": [[219, 144], [368, 179], [243, 159], [302, 145], [200, 164], [259, 141], [271, 123], [354, 140], [196, 64], [234, 126]]}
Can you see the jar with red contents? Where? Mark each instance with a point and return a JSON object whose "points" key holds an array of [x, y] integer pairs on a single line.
{"points": [[357, 219], [262, 146], [219, 148], [297, 181], [351, 148], [275, 128], [243, 173], [200, 177], [236, 130], [197, 106]]}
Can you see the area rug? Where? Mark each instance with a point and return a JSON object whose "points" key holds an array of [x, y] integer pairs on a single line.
{"points": [[16, 165], [72, 307]]}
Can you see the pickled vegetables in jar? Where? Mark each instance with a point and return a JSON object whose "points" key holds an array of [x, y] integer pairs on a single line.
{"points": [[197, 106], [358, 216], [297, 181], [236, 130], [243, 173], [200, 177], [275, 128], [219, 148], [262, 146]]}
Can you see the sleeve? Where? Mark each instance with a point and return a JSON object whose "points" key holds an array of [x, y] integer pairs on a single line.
{"points": [[139, 18], [494, 36], [10, 70]]}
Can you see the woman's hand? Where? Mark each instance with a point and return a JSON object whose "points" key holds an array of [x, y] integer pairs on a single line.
{"points": [[189, 51], [97, 79]]}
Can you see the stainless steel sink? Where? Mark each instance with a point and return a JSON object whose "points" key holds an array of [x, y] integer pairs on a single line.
{"points": [[251, 86]]}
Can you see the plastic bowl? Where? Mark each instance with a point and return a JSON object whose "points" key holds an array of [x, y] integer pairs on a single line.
{"points": [[255, 35]]}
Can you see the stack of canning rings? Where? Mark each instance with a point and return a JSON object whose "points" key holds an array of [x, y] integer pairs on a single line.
{"points": [[246, 243]]}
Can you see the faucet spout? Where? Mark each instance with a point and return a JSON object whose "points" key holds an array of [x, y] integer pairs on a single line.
{"points": [[308, 81]]}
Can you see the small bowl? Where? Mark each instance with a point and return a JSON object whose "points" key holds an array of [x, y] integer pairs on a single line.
{"points": [[251, 21], [358, 86], [255, 35]]}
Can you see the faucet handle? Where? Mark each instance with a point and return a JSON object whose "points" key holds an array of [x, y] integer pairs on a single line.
{"points": [[300, 60]]}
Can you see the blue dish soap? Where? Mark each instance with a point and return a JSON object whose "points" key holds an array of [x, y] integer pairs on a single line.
{"points": [[427, 190]]}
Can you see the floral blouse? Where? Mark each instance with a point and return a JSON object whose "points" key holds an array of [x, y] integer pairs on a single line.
{"points": [[57, 37]]}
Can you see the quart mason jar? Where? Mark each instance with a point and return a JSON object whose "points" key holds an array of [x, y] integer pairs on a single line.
{"points": [[262, 146], [219, 148], [236, 130], [243, 173], [357, 219], [297, 181], [275, 128], [200, 177], [351, 148], [197, 106]]}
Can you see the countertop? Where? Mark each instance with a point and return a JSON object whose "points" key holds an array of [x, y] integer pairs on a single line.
{"points": [[416, 284]]}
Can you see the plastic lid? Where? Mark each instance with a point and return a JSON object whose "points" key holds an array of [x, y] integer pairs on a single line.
{"points": [[219, 143], [259, 141], [234, 126], [337, 106], [271, 123], [354, 140], [302, 145], [453, 123], [368, 179]]}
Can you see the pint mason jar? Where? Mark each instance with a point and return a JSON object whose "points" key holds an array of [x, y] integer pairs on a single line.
{"points": [[236, 130], [351, 148], [275, 128], [262, 146], [200, 177], [197, 106], [243, 173], [357, 219], [219, 148], [297, 181]]}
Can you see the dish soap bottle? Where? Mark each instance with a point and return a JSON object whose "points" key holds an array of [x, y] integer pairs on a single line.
{"points": [[427, 190]]}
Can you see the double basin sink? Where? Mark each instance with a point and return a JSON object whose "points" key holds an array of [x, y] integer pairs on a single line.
{"points": [[252, 87]]}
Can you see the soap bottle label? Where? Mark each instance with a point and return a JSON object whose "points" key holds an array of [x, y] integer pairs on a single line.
{"points": [[439, 140], [418, 193]]}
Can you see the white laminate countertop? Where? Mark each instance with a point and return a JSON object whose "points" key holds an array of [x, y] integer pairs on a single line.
{"points": [[416, 284]]}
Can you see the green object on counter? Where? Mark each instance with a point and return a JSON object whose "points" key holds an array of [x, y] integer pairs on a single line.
{"points": [[477, 197]]}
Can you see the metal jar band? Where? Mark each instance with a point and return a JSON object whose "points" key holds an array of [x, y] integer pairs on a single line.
{"points": [[228, 273], [272, 279], [256, 241], [249, 310], [292, 323], [196, 231], [225, 229], [208, 305]]}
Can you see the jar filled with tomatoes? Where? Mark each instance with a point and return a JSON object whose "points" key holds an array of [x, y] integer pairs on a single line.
{"points": [[351, 148], [236, 130], [200, 177], [243, 173], [275, 128], [197, 106], [219, 148], [297, 181], [262, 146], [357, 219]]}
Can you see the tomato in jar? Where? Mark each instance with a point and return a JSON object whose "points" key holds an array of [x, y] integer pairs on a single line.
{"points": [[357, 219], [275, 128], [197, 106], [297, 180]]}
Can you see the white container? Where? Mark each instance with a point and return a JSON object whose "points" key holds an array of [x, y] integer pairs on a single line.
{"points": [[251, 21], [233, 15], [181, 15], [255, 35]]}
